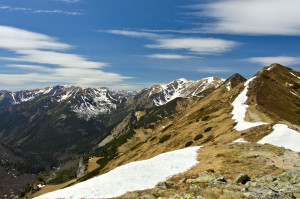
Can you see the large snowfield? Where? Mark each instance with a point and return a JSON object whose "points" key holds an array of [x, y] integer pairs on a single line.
{"points": [[284, 137], [134, 176], [240, 109]]}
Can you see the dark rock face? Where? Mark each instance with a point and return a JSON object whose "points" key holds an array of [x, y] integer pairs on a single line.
{"points": [[235, 80], [242, 178]]}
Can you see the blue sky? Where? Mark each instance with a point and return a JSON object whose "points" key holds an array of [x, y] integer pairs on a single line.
{"points": [[132, 44]]}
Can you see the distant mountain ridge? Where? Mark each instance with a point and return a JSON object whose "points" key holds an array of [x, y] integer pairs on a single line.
{"points": [[90, 102]]}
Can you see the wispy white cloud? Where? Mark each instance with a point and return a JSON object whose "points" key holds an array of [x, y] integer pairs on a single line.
{"points": [[30, 10], [57, 11], [258, 17], [212, 70], [130, 33], [35, 49], [195, 45], [191, 45], [54, 58], [168, 56], [284, 60], [30, 67], [18, 39]]}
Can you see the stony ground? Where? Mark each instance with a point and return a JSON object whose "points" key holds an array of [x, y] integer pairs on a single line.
{"points": [[208, 185]]}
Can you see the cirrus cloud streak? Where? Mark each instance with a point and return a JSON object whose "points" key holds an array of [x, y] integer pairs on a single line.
{"points": [[47, 62], [265, 61]]}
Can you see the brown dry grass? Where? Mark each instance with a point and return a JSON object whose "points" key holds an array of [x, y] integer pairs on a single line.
{"points": [[187, 124], [50, 188], [92, 165]]}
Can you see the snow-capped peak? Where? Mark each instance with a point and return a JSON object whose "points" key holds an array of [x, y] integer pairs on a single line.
{"points": [[163, 93]]}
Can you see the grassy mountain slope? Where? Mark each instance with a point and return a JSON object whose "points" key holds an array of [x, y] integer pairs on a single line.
{"points": [[208, 122]]}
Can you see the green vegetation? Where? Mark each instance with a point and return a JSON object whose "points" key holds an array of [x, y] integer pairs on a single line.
{"points": [[298, 111], [189, 143], [102, 162], [63, 176], [296, 86], [136, 146], [198, 137], [150, 126], [164, 138], [153, 138], [85, 158], [201, 109], [62, 117], [207, 129], [265, 76], [155, 114], [167, 127], [110, 150], [205, 118]]}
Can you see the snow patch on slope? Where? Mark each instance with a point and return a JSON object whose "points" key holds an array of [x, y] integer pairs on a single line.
{"points": [[240, 109], [228, 86], [294, 75], [65, 96], [134, 176], [240, 140], [283, 136]]}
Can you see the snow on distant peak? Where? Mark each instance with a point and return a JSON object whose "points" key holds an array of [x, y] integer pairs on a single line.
{"points": [[134, 176], [283, 136], [47, 90], [240, 109], [65, 96], [209, 79], [93, 102], [164, 93]]}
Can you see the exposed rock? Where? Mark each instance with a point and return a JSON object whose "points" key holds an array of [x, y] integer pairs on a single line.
{"points": [[203, 177], [221, 179], [161, 185], [81, 168], [242, 178], [195, 187], [149, 196], [293, 176], [185, 196], [183, 180], [235, 80], [170, 183]]}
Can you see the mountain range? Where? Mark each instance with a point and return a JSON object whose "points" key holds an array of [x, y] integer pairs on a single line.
{"points": [[56, 126]]}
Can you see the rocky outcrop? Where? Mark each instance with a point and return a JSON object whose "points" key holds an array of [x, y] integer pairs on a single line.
{"points": [[283, 186], [242, 178], [81, 168]]}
